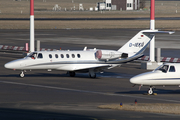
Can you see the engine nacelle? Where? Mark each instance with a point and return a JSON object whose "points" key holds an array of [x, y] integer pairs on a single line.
{"points": [[107, 54]]}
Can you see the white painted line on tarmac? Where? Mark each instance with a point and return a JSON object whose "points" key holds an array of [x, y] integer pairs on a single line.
{"points": [[85, 91]]}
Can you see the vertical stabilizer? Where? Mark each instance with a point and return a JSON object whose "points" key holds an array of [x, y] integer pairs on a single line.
{"points": [[139, 42]]}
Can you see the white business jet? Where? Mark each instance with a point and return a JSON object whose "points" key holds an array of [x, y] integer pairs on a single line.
{"points": [[166, 74], [92, 61]]}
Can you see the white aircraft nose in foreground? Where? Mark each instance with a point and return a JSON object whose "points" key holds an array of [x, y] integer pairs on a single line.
{"points": [[166, 74], [91, 61]]}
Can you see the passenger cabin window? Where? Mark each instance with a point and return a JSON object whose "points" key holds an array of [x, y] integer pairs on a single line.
{"points": [[56, 55], [78, 55], [62, 56], [40, 56], [50, 56], [73, 56], [67, 55], [172, 69]]}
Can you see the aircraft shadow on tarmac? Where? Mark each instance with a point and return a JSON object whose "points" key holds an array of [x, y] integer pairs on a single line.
{"points": [[33, 75], [114, 75], [21, 114], [78, 75], [158, 91], [47, 75], [131, 92]]}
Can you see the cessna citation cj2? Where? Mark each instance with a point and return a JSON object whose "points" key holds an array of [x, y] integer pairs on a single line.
{"points": [[92, 60], [166, 74]]}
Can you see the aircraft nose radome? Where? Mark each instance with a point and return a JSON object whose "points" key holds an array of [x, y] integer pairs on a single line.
{"points": [[134, 80], [15, 64], [8, 65], [5, 65]]}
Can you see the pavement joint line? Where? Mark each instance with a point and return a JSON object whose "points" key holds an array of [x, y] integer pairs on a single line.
{"points": [[85, 91]]}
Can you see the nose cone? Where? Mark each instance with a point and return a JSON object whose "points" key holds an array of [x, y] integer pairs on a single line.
{"points": [[10, 65], [7, 65], [16, 64], [141, 78], [134, 80]]}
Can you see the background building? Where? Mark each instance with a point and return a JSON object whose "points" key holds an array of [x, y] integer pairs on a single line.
{"points": [[119, 5]]}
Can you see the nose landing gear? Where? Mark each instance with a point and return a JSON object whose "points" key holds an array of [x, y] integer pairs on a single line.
{"points": [[21, 74], [150, 91]]}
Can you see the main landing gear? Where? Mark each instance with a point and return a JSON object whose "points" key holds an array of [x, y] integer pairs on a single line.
{"points": [[71, 73], [92, 74]]}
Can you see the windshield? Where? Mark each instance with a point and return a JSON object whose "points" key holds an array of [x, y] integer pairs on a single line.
{"points": [[32, 55], [163, 68]]}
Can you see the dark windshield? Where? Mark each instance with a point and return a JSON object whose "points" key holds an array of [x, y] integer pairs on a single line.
{"points": [[32, 55], [164, 68]]}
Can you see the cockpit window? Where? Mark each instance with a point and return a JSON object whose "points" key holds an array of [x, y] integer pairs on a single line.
{"points": [[40, 55], [164, 68], [32, 55], [172, 69]]}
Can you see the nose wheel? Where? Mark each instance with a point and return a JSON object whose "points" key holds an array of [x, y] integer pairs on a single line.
{"points": [[21, 74], [150, 91]]}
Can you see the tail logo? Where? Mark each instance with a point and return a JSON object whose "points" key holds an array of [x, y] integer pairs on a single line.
{"points": [[136, 44]]}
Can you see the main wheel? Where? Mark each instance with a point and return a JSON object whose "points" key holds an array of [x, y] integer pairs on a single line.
{"points": [[92, 75], [72, 74]]}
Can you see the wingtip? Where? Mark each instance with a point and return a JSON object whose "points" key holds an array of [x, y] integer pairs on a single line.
{"points": [[171, 33]]}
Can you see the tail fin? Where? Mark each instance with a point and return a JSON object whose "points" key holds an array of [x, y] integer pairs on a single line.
{"points": [[139, 42]]}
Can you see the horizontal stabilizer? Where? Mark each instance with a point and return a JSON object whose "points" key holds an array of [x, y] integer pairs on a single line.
{"points": [[156, 31]]}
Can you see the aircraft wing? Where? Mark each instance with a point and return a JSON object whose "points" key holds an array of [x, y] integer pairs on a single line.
{"points": [[98, 68]]}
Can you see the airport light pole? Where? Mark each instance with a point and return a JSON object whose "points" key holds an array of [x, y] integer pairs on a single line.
{"points": [[31, 26], [152, 27]]}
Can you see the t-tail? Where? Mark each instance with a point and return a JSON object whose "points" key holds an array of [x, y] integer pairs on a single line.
{"points": [[137, 45]]}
